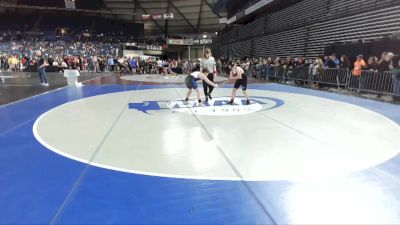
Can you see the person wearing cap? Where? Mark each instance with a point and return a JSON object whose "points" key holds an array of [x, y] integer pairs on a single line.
{"points": [[359, 64]]}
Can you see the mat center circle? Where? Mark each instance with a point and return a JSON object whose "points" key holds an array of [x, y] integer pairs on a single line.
{"points": [[145, 132]]}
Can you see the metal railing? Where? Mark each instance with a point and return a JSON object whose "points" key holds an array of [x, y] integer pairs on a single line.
{"points": [[381, 83], [336, 77], [372, 82], [298, 73]]}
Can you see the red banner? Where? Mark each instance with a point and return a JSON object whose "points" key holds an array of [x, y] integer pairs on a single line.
{"points": [[145, 17], [156, 17]]}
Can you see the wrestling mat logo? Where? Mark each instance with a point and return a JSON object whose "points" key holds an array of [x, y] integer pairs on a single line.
{"points": [[216, 107]]}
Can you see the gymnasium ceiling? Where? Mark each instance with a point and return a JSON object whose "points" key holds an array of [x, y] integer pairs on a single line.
{"points": [[190, 16]]}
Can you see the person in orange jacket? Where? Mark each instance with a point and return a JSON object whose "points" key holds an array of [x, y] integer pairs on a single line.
{"points": [[359, 64]]}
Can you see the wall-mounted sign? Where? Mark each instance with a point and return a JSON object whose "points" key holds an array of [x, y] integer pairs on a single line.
{"points": [[206, 41], [70, 4], [152, 52], [168, 16], [180, 41], [143, 46]]}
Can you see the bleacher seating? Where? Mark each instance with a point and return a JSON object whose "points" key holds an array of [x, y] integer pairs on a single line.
{"points": [[286, 43], [296, 15], [306, 28], [366, 25], [254, 28]]}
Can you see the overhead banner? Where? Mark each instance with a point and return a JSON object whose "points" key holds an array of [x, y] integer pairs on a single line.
{"points": [[70, 4], [204, 41], [131, 44], [146, 17], [223, 20], [257, 6], [153, 52], [143, 46], [157, 17], [180, 41], [168, 16], [133, 53], [231, 20]]}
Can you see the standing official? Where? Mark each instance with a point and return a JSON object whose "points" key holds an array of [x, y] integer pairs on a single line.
{"points": [[208, 63]]}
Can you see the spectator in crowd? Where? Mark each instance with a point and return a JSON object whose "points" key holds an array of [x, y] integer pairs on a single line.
{"points": [[219, 66], [396, 77], [186, 67], [42, 63], [315, 69], [61, 66], [134, 65], [96, 66], [386, 61], [3, 65], [13, 62], [333, 62], [89, 64], [325, 60], [345, 62], [372, 64], [102, 64], [111, 64], [359, 65]]}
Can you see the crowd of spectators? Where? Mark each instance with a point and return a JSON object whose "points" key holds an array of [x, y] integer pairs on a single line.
{"points": [[23, 55], [380, 75], [152, 65], [385, 63], [85, 56], [100, 53], [21, 52]]}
